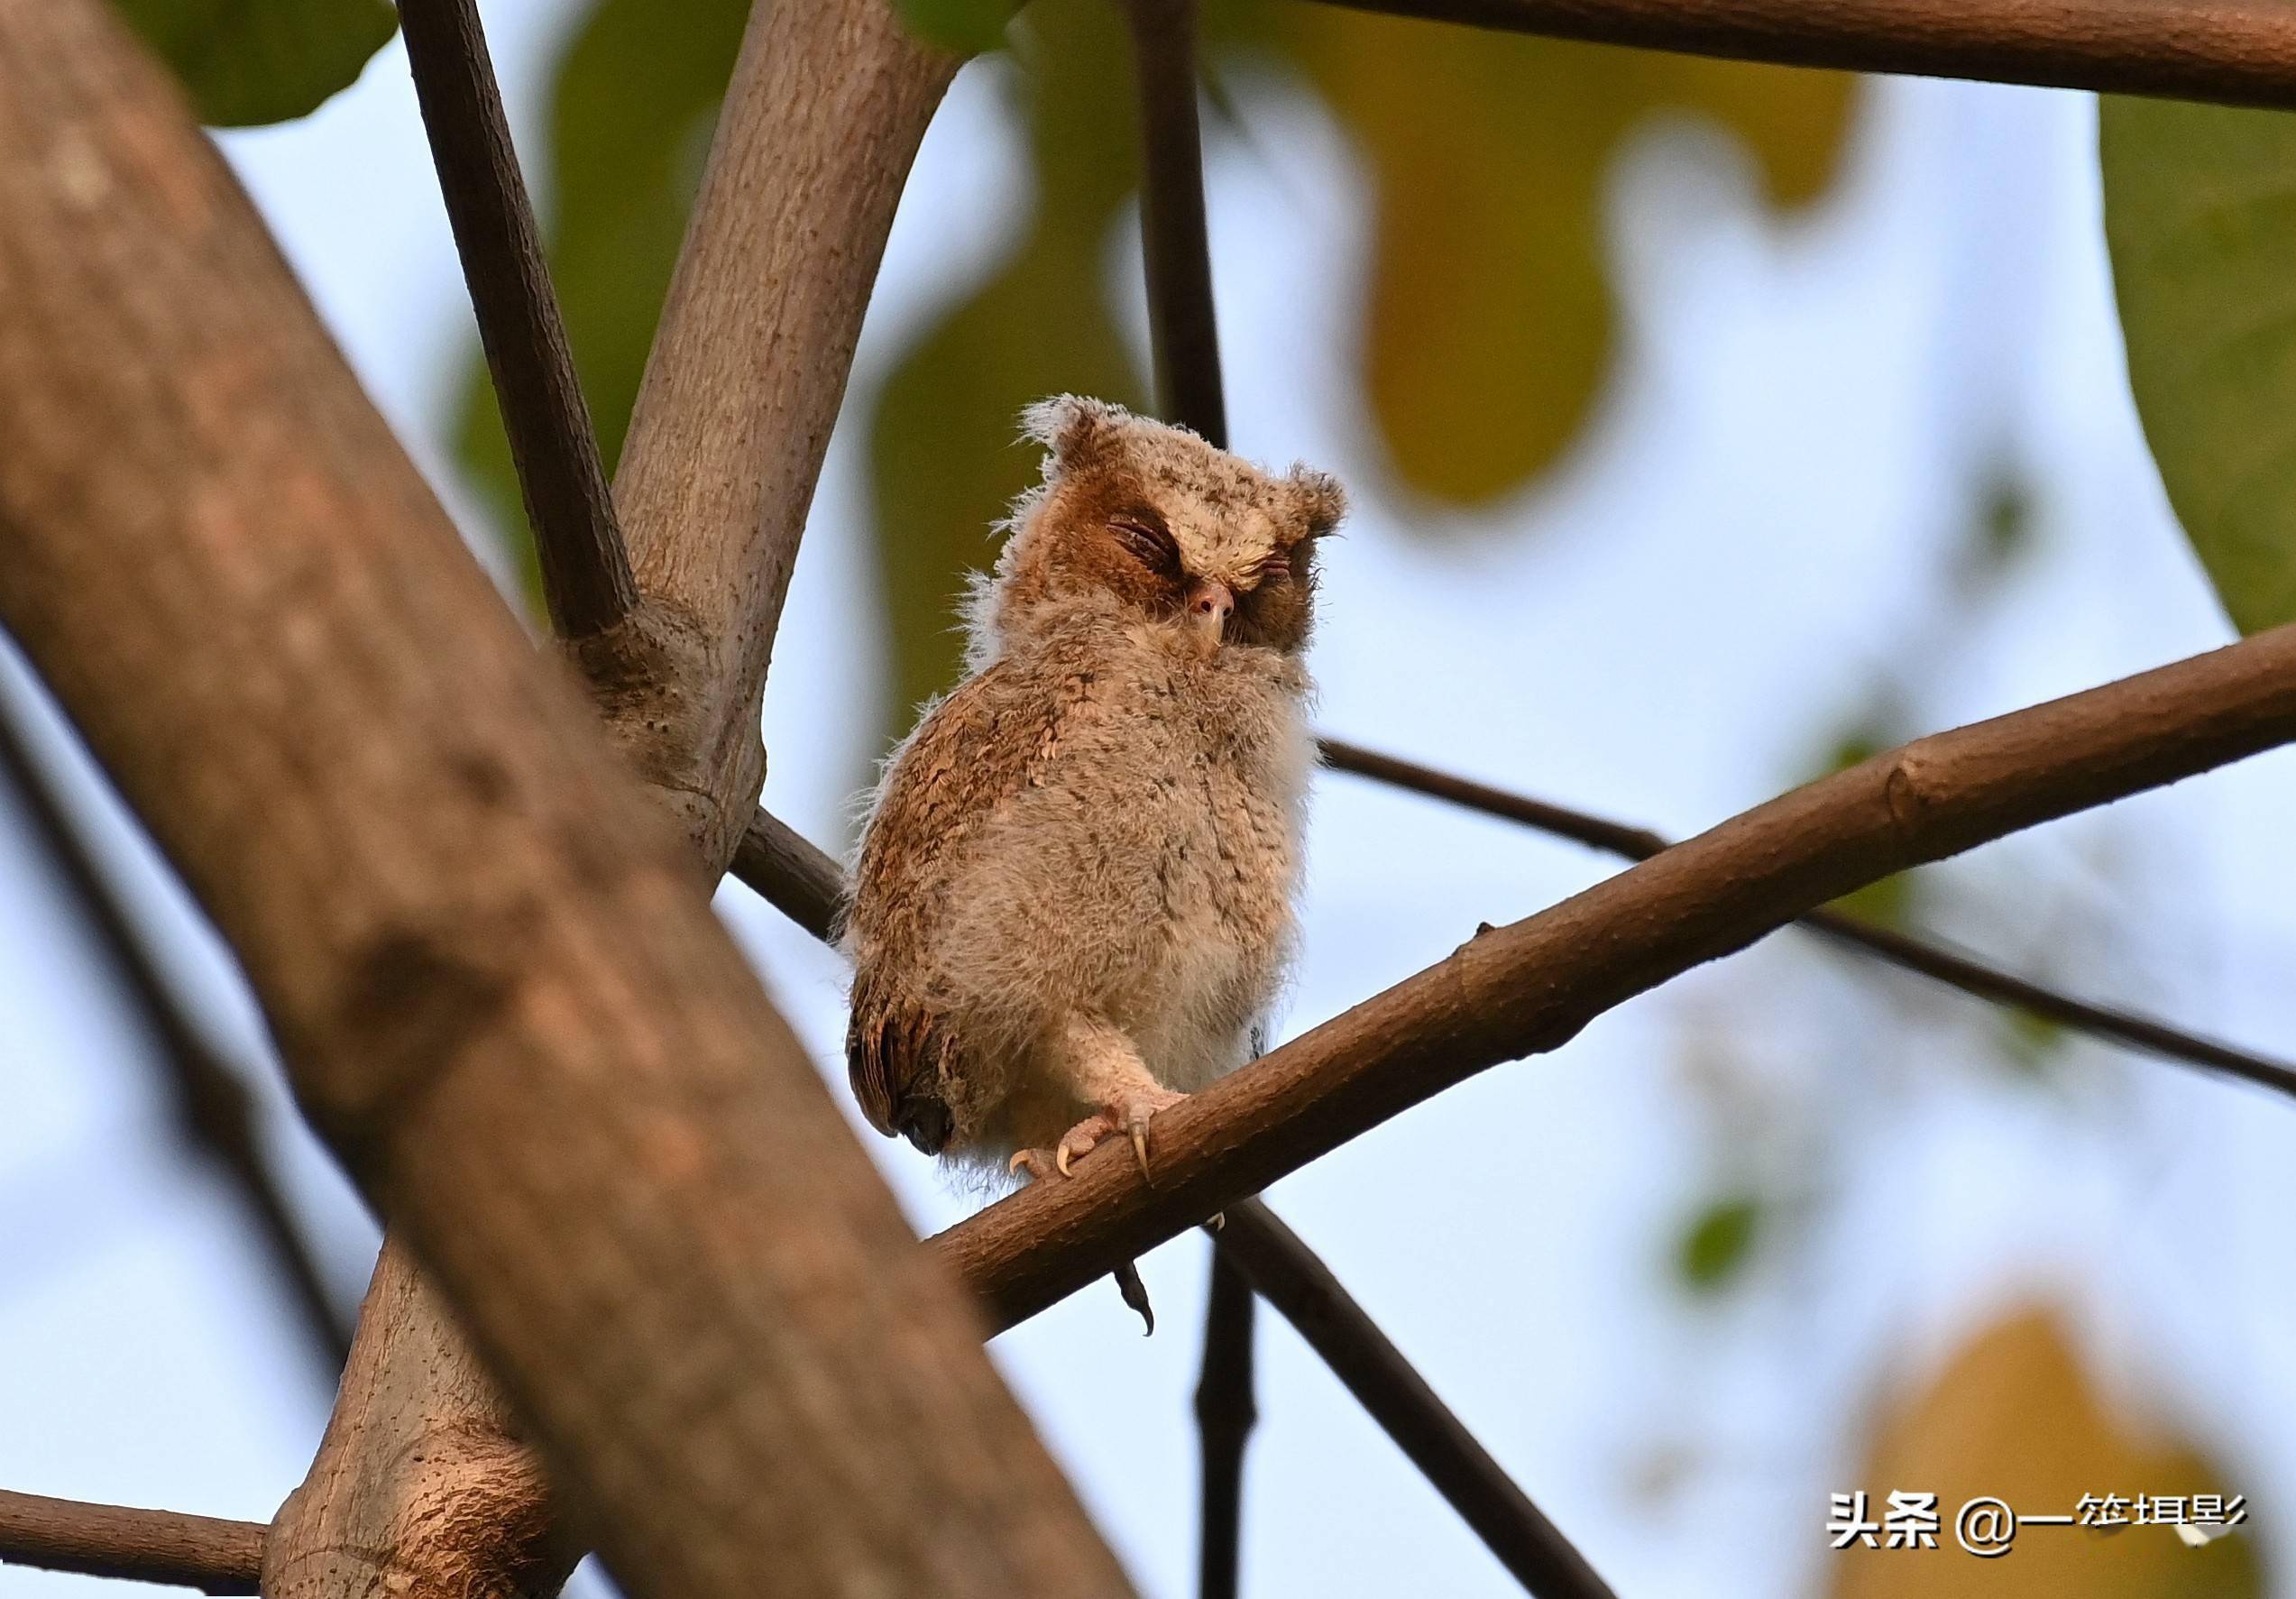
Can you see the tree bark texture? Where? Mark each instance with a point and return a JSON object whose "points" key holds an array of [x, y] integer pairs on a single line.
{"points": [[499, 995]]}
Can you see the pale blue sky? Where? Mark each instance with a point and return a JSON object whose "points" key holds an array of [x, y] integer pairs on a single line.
{"points": [[1669, 629]]}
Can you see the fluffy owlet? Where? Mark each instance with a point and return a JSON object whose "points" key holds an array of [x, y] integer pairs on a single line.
{"points": [[1075, 891]]}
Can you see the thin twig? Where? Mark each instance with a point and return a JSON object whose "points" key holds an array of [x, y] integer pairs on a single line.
{"points": [[2238, 52], [1181, 324], [586, 578], [144, 1546], [1304, 1291], [212, 1104], [1183, 330], [1921, 955], [1225, 1413], [1531, 986], [789, 873]]}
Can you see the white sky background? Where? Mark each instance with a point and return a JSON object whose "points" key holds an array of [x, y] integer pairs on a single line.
{"points": [[1670, 629]]}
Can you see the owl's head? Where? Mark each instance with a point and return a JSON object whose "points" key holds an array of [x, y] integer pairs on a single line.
{"points": [[1151, 520]]}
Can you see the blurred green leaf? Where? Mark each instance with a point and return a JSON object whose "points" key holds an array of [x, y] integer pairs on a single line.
{"points": [[634, 101], [963, 27], [2200, 221], [2002, 528], [2029, 1042], [1489, 323], [943, 458], [249, 61], [1719, 1242]]}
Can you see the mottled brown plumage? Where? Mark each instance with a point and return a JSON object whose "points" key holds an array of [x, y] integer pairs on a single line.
{"points": [[1075, 890]]}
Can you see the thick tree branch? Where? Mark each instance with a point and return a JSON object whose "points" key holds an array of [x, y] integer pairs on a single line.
{"points": [[585, 571], [1930, 960], [143, 1546], [1531, 987], [2237, 52], [213, 1104], [1303, 1290], [828, 105], [498, 994], [821, 119]]}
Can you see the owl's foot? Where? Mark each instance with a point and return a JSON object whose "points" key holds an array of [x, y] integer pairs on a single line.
{"points": [[1129, 1114]]}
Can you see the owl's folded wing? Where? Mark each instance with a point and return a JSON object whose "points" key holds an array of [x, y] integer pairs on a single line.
{"points": [[987, 742]]}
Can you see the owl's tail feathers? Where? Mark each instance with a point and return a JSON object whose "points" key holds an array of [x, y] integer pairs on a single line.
{"points": [[1135, 1294]]}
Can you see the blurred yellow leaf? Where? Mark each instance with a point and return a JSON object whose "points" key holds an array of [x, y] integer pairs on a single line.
{"points": [[2014, 1416], [1490, 326]]}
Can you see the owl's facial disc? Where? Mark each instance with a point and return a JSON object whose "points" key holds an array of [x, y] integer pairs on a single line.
{"points": [[1208, 605]]}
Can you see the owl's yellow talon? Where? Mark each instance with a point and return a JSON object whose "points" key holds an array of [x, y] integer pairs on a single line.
{"points": [[1140, 1148], [1060, 1159]]}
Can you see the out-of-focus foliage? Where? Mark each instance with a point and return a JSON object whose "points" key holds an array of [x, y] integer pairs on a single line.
{"points": [[1489, 325], [2200, 218], [965, 27], [249, 61], [630, 117], [1487, 329], [941, 448], [2014, 1416], [1718, 1243]]}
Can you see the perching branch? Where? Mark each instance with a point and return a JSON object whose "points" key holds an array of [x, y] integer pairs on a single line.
{"points": [[1915, 954], [2237, 52], [213, 1104], [1529, 987], [1302, 1288], [497, 991], [144, 1546], [585, 571]]}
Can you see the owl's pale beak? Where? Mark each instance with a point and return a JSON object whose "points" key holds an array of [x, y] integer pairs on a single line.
{"points": [[1210, 603]]}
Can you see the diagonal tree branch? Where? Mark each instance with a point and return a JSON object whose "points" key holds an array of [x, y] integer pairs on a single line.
{"points": [[2236, 52], [144, 1546], [820, 124], [585, 571], [1531, 987], [497, 991], [1923, 956], [213, 1104], [1303, 1290]]}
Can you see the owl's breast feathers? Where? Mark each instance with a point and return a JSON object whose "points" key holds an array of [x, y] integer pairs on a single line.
{"points": [[1034, 843]]}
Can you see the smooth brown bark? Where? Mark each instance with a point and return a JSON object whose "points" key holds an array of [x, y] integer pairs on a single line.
{"points": [[499, 995], [829, 103], [146, 1545], [1531, 987], [2236, 52]]}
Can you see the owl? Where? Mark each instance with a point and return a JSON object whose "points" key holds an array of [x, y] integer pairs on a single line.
{"points": [[1074, 895]]}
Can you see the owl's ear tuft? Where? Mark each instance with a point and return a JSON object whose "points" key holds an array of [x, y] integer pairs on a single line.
{"points": [[1077, 431], [1318, 497]]}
